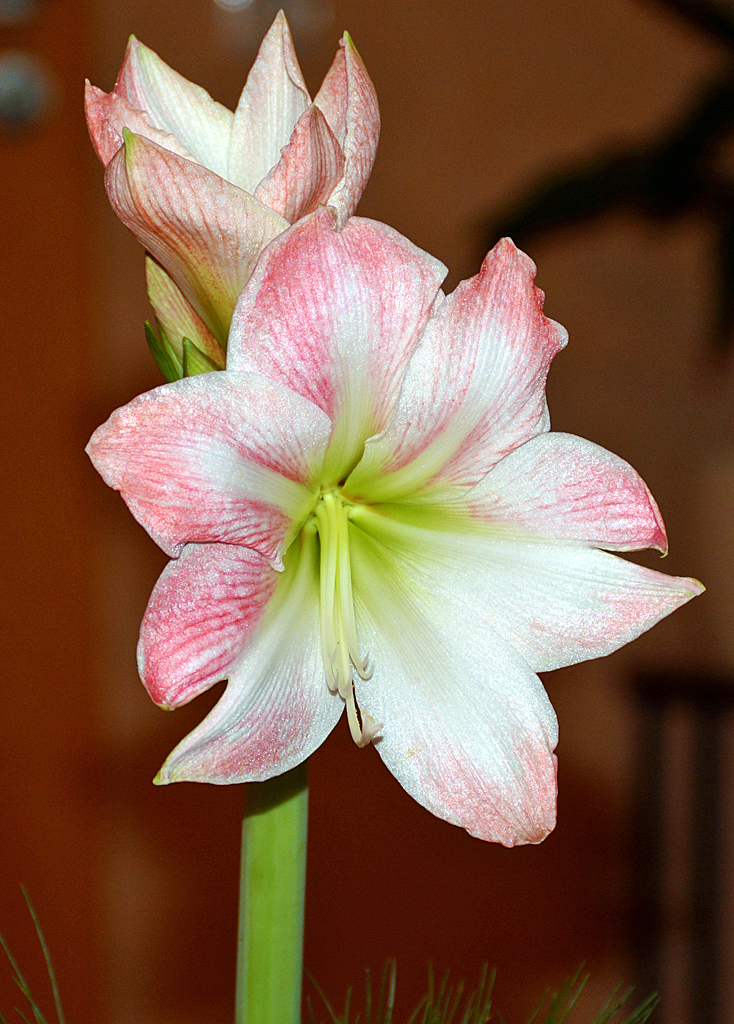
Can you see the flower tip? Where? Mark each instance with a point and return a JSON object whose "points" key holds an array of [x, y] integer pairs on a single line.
{"points": [[529, 833], [94, 98], [163, 778], [279, 25], [535, 838], [96, 452], [659, 541], [131, 50], [696, 586], [534, 830], [131, 145], [508, 255], [506, 245], [347, 43]]}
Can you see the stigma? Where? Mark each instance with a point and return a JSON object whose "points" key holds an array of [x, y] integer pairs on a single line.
{"points": [[339, 643]]}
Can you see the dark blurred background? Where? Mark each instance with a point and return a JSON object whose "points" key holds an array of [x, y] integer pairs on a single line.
{"points": [[599, 132]]}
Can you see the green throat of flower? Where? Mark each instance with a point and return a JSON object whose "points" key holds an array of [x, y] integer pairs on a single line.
{"points": [[339, 643]]}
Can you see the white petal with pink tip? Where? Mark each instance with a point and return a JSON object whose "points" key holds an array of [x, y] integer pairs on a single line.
{"points": [[203, 610], [348, 99], [467, 727], [204, 231], [557, 602], [335, 315], [220, 457], [308, 170], [276, 709], [562, 487], [174, 105], [475, 388], [271, 103], [108, 114]]}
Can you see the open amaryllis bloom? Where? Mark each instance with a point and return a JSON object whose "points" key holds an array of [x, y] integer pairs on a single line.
{"points": [[205, 189], [367, 510]]}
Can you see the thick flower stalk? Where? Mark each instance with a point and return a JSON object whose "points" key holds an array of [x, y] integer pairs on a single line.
{"points": [[367, 511], [205, 189]]}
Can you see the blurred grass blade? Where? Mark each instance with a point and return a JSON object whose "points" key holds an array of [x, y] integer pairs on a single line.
{"points": [[324, 999], [445, 1003], [22, 985], [46, 956]]}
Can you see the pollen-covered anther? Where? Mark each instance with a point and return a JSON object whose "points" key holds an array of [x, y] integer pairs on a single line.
{"points": [[363, 727], [339, 644]]}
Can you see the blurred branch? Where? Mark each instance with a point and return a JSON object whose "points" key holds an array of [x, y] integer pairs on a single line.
{"points": [[675, 175], [715, 18]]}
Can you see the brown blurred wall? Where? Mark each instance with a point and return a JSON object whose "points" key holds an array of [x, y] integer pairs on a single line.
{"points": [[136, 886], [49, 721]]}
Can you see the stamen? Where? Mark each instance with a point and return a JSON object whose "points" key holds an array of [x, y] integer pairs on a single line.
{"points": [[327, 579], [347, 600], [362, 726], [338, 627]]}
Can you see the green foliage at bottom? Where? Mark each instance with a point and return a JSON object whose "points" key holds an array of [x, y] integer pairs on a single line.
{"points": [[447, 1004], [443, 1003], [20, 981]]}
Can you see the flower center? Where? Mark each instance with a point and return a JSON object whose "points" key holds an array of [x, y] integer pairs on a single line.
{"points": [[339, 644]]}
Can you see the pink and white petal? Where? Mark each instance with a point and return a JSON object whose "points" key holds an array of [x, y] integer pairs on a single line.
{"points": [[274, 98], [308, 170], [467, 727], [204, 609], [205, 232], [561, 487], [565, 603], [176, 106], [220, 457], [333, 96], [475, 388], [349, 102], [277, 708], [555, 601], [336, 315], [107, 115], [177, 316]]}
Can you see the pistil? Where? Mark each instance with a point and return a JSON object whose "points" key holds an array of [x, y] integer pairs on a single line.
{"points": [[339, 643]]}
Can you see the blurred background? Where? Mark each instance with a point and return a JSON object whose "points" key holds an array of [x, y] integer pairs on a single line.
{"points": [[601, 135]]}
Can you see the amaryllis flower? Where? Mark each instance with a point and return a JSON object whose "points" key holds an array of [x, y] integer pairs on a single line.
{"points": [[205, 189], [367, 510]]}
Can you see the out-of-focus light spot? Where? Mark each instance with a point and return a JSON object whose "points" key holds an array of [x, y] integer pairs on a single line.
{"points": [[27, 91], [233, 5], [17, 12], [242, 24]]}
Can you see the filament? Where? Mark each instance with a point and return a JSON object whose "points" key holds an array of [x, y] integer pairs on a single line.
{"points": [[339, 644]]}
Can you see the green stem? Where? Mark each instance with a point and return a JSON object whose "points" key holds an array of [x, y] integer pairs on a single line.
{"points": [[272, 891]]}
